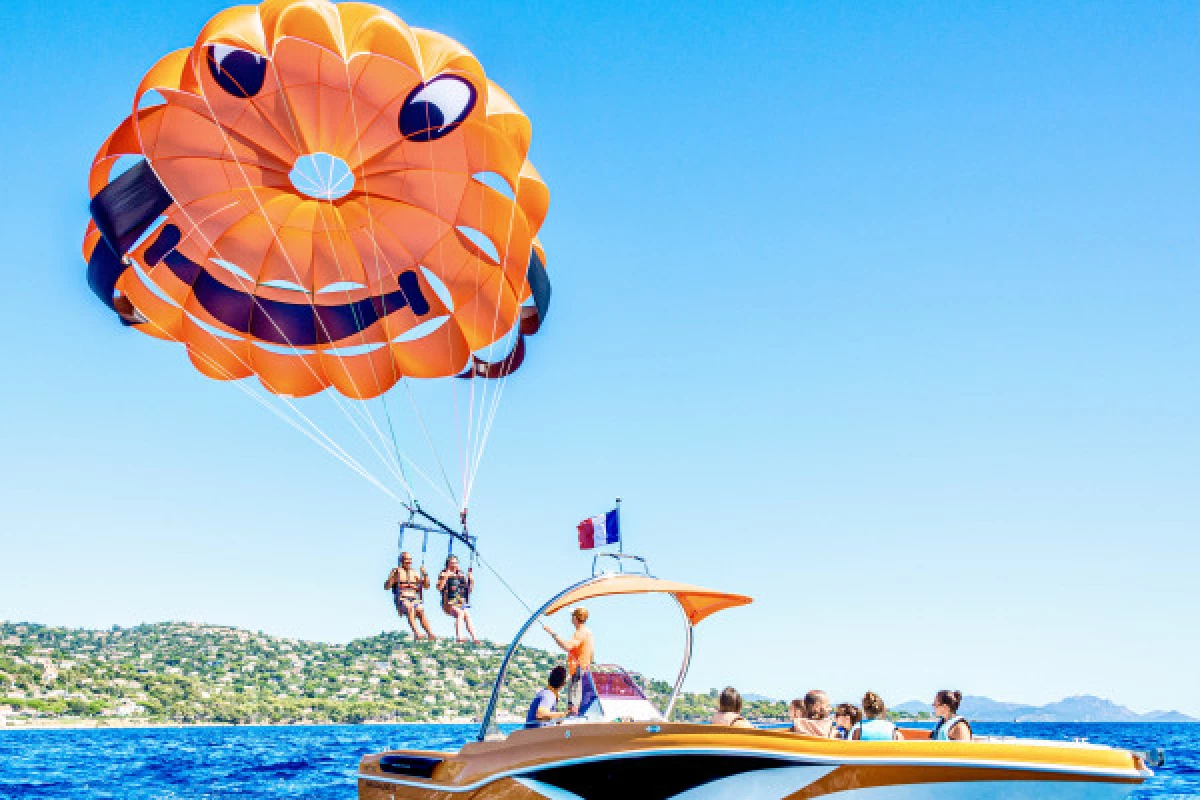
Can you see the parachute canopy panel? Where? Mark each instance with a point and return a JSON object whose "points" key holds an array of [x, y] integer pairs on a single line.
{"points": [[306, 206], [697, 602]]}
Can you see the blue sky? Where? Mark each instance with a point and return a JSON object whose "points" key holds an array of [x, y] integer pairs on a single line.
{"points": [[885, 314]]}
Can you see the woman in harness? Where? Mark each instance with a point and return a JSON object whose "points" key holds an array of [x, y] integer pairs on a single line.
{"points": [[408, 591], [950, 727], [456, 591]]}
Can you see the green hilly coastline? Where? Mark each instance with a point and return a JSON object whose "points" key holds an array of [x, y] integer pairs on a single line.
{"points": [[186, 673]]}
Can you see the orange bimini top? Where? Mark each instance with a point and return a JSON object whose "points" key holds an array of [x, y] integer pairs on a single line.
{"points": [[697, 602]]}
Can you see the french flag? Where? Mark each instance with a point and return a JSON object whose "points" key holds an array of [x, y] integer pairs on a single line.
{"points": [[599, 531]]}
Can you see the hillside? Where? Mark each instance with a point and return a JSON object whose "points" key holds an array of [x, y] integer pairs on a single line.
{"points": [[175, 672]]}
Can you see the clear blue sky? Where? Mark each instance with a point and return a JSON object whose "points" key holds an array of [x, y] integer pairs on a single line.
{"points": [[886, 314]]}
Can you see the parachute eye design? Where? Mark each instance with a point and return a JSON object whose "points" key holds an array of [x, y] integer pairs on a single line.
{"points": [[436, 108], [239, 72]]}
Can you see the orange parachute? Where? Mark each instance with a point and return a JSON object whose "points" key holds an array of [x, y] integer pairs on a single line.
{"points": [[322, 196]]}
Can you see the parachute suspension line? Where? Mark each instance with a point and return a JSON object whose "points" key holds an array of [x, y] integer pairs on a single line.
{"points": [[212, 245], [375, 250], [329, 445], [424, 547], [429, 440], [498, 391], [396, 447], [287, 258], [458, 431], [341, 274]]}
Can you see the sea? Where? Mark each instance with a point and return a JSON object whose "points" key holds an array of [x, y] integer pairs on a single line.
{"points": [[320, 761]]}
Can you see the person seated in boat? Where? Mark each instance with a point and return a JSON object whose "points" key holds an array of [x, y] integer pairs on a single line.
{"points": [[408, 592], [581, 649], [543, 711], [729, 710], [811, 716], [875, 727], [456, 589], [950, 726], [845, 717]]}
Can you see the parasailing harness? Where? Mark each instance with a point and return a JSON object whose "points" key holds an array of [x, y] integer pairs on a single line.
{"points": [[422, 522]]}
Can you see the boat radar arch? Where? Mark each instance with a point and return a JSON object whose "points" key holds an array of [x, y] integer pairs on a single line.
{"points": [[696, 603]]}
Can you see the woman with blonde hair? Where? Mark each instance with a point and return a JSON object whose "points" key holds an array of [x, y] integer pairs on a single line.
{"points": [[875, 727], [812, 715], [581, 649]]}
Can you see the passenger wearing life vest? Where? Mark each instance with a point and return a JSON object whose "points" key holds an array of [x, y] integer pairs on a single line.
{"points": [[813, 715], [950, 726], [408, 592], [580, 654], [729, 710], [845, 717], [875, 727], [456, 591]]}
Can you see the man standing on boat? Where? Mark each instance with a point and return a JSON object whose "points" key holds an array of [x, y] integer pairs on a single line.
{"points": [[580, 651], [408, 591]]}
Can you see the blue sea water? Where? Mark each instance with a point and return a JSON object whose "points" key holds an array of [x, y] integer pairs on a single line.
{"points": [[320, 761]]}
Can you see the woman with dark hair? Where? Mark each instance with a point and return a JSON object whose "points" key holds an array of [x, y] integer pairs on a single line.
{"points": [[729, 710], [845, 717], [456, 589], [950, 727], [543, 711], [875, 727]]}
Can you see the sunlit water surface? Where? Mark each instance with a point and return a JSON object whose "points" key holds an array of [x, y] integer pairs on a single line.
{"points": [[319, 762]]}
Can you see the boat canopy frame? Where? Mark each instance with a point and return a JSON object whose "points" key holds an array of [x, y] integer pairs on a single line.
{"points": [[695, 604]]}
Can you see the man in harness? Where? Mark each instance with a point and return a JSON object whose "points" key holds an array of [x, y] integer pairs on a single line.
{"points": [[456, 591], [408, 591]]}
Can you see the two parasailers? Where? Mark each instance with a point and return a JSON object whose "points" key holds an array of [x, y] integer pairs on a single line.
{"points": [[408, 591]]}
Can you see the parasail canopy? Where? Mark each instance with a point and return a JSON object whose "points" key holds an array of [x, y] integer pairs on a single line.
{"points": [[317, 195], [697, 602]]}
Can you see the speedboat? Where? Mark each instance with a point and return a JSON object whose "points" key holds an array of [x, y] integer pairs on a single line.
{"points": [[621, 745]]}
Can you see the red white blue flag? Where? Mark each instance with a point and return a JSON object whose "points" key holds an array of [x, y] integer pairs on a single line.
{"points": [[599, 531]]}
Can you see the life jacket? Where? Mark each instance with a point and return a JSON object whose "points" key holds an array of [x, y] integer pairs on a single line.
{"points": [[822, 728], [942, 732], [874, 730], [454, 590], [410, 582], [580, 656]]}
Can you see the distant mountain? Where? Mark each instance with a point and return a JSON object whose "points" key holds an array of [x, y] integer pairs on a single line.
{"points": [[1081, 708], [759, 698]]}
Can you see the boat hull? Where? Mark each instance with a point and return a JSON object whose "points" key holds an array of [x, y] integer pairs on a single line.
{"points": [[698, 762]]}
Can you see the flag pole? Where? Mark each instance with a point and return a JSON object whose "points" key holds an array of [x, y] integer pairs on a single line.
{"points": [[620, 535]]}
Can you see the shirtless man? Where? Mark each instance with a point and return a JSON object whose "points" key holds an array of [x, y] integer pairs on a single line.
{"points": [[408, 591], [580, 655]]}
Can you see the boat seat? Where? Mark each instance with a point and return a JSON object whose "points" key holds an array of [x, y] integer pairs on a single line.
{"points": [[413, 766]]}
